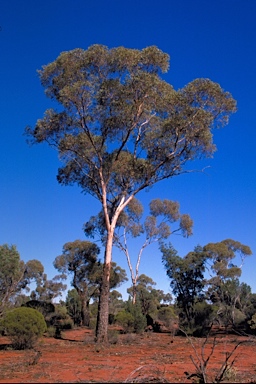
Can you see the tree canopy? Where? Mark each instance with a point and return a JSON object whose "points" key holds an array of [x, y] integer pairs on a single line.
{"points": [[15, 274], [194, 290], [80, 260]]}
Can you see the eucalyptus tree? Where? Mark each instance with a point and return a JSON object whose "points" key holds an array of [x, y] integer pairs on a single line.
{"points": [[49, 289], [226, 259], [187, 279], [191, 287], [120, 128], [80, 260], [74, 306], [156, 227], [16, 275]]}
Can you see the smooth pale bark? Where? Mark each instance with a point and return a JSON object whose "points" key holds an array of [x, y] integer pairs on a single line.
{"points": [[102, 318]]}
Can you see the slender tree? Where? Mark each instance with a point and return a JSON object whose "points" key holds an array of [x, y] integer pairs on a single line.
{"points": [[168, 212], [121, 128], [187, 279], [224, 287], [79, 258], [156, 227], [74, 306]]}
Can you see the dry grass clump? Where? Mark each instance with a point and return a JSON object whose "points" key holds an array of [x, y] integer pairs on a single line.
{"points": [[147, 374]]}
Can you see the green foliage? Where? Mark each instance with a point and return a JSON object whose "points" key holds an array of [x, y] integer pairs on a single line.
{"points": [[187, 280], [15, 275], [204, 315], [115, 302], [222, 255], [252, 322], [79, 259], [131, 318], [93, 323], [48, 289], [60, 320], [51, 331], [120, 128], [47, 309], [66, 324], [24, 326], [168, 316], [74, 306], [146, 295], [140, 321], [231, 300], [41, 306], [126, 320], [225, 289]]}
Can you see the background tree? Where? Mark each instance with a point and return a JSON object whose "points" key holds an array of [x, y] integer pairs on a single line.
{"points": [[187, 281], [156, 227], [16, 275], [224, 286], [74, 306], [48, 290], [223, 289], [148, 297], [79, 258], [115, 304], [121, 128]]}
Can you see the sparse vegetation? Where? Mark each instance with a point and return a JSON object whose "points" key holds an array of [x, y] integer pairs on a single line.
{"points": [[130, 358]]}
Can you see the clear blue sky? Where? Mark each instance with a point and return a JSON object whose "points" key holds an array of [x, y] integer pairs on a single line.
{"points": [[212, 39]]}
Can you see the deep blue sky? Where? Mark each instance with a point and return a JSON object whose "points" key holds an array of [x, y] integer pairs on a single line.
{"points": [[212, 39]]}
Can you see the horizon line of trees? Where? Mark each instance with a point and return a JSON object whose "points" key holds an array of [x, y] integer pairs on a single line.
{"points": [[196, 302]]}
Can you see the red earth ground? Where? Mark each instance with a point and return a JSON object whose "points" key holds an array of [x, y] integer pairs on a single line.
{"points": [[151, 357]]}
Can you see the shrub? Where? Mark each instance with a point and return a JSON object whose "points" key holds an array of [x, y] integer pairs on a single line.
{"points": [[129, 338], [113, 336], [51, 331], [126, 320], [47, 309], [66, 324], [60, 320], [140, 321], [167, 315], [24, 326]]}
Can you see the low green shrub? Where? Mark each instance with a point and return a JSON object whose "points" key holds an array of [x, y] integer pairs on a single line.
{"points": [[66, 324], [126, 320], [140, 321], [51, 331], [24, 326]]}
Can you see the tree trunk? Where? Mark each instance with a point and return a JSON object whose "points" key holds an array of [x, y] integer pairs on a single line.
{"points": [[134, 292], [85, 314], [102, 318]]}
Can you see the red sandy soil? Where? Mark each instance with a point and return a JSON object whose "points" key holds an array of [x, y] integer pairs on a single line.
{"points": [[150, 357]]}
